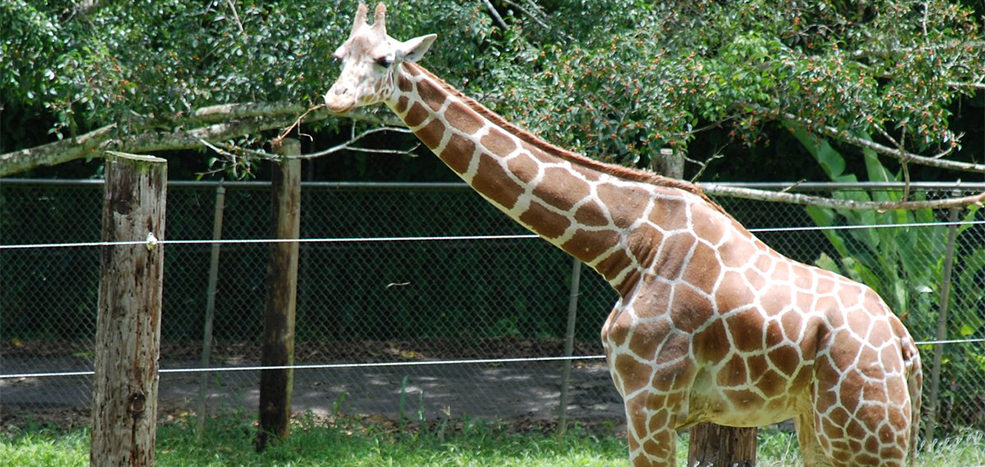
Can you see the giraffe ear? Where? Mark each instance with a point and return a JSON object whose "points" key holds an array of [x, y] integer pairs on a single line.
{"points": [[412, 50]]}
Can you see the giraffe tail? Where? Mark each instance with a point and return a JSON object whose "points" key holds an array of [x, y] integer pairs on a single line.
{"points": [[914, 384]]}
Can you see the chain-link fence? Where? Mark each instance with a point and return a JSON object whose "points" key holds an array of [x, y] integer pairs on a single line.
{"points": [[420, 306]]}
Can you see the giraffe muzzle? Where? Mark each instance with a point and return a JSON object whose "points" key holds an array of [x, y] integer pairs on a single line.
{"points": [[339, 100]]}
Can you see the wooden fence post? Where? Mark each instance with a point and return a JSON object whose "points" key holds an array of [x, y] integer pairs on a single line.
{"points": [[128, 333], [282, 280]]}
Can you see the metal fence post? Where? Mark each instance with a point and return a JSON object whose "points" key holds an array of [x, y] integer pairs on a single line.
{"points": [[203, 382], [935, 378], [569, 343]]}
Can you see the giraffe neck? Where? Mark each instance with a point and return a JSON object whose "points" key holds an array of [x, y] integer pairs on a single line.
{"points": [[578, 204]]}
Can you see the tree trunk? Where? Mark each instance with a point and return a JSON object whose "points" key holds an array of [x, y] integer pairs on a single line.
{"points": [[721, 446], [128, 333], [282, 280]]}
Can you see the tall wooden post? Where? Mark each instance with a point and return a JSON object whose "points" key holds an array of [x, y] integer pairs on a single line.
{"points": [[128, 333], [710, 444], [282, 280]]}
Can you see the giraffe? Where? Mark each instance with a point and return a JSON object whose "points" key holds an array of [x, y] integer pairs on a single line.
{"points": [[711, 324]]}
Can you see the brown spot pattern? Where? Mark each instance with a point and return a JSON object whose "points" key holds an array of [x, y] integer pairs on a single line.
{"points": [[416, 116], [669, 265], [402, 103], [546, 223], [431, 94], [647, 336], [635, 374], [498, 142], [587, 245], [626, 205], [491, 180], [463, 119], [746, 328], [591, 214], [703, 269], [564, 190], [694, 311], [458, 153], [523, 167], [669, 214], [431, 134]]}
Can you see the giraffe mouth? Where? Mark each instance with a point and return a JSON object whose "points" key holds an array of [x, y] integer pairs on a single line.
{"points": [[338, 105], [344, 109]]}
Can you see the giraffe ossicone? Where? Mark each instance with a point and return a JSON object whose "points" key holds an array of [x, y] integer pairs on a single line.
{"points": [[711, 325]]}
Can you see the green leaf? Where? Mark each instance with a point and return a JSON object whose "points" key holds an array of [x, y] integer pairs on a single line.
{"points": [[828, 263]]}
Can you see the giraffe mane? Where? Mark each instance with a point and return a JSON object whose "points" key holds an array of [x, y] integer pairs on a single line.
{"points": [[619, 171]]}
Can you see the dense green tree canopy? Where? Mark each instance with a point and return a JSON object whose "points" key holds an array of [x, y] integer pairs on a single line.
{"points": [[615, 79]]}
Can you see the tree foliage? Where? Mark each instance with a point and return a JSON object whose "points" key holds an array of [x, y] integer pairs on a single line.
{"points": [[616, 79]]}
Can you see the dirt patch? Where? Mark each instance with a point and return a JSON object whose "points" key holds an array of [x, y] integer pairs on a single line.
{"points": [[510, 392]]}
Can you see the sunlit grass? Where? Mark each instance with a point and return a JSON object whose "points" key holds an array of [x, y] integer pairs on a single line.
{"points": [[228, 441]]}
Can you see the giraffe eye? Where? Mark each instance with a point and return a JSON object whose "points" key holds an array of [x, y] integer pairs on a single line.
{"points": [[384, 61]]}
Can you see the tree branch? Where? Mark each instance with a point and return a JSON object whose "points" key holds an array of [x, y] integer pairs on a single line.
{"points": [[228, 121], [820, 201], [902, 155], [348, 145], [955, 84], [537, 19], [233, 152], [495, 14], [888, 52]]}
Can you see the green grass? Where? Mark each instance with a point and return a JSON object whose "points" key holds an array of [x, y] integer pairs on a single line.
{"points": [[228, 442]]}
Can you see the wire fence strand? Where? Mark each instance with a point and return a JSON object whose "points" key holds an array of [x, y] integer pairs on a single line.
{"points": [[446, 238]]}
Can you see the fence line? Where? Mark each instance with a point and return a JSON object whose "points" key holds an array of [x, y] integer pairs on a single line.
{"points": [[153, 241], [335, 366], [467, 298]]}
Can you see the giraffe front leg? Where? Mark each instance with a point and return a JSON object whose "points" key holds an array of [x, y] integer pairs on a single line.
{"points": [[651, 418]]}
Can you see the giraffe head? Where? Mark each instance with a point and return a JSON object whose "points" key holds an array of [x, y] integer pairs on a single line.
{"points": [[370, 60]]}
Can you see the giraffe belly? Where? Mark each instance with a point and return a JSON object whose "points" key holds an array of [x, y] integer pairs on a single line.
{"points": [[742, 405]]}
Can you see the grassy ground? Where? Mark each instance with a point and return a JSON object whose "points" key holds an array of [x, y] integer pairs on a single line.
{"points": [[228, 442]]}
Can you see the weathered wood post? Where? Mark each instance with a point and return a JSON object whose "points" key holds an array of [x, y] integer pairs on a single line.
{"points": [[128, 332], [710, 444], [282, 280], [721, 446], [668, 163]]}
